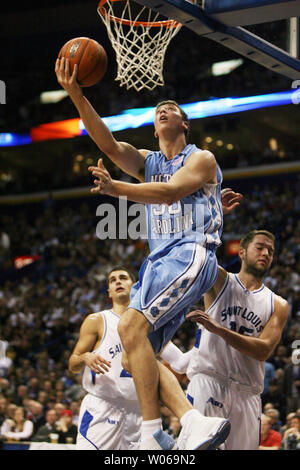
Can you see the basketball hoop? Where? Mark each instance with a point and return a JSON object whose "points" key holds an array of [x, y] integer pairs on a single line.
{"points": [[140, 40]]}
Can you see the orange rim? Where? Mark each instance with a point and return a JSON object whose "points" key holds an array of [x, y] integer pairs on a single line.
{"points": [[155, 24]]}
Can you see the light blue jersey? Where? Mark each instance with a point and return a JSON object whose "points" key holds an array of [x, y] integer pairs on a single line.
{"points": [[197, 216], [183, 238]]}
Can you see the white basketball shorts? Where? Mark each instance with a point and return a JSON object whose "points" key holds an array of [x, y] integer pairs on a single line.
{"points": [[212, 397], [105, 426]]}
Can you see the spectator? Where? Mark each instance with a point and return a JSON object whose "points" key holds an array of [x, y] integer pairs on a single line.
{"points": [[33, 388], [281, 358], [43, 399], [75, 391], [19, 428], [291, 437], [3, 409], [268, 406], [44, 431], [59, 386], [4, 242], [5, 361], [68, 378], [269, 374], [275, 396], [275, 421], [60, 397], [11, 408], [287, 424], [291, 383], [22, 394], [4, 387], [75, 408], [48, 387], [270, 439], [66, 429], [59, 407], [35, 414]]}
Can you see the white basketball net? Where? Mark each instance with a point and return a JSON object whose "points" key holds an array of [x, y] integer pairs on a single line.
{"points": [[140, 43]]}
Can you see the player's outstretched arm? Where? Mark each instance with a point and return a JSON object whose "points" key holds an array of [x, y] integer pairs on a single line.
{"points": [[124, 155], [199, 169], [257, 348], [146, 193], [91, 331]]}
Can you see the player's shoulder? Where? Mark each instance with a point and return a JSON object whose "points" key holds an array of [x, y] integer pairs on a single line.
{"points": [[201, 154], [204, 153], [94, 319], [201, 159], [222, 277], [218, 287], [222, 273], [93, 325], [280, 310], [280, 303], [144, 153], [97, 315]]}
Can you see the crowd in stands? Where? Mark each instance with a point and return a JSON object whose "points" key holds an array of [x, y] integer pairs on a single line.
{"points": [[66, 178], [43, 304], [24, 111]]}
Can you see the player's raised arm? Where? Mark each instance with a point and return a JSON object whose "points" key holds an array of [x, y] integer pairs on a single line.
{"points": [[90, 333], [125, 156], [211, 295]]}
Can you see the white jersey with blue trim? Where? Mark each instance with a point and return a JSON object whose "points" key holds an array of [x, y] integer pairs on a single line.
{"points": [[241, 310], [196, 217], [116, 385]]}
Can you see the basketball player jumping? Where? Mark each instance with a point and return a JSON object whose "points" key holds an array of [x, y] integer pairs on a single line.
{"points": [[181, 186], [110, 416], [242, 324]]}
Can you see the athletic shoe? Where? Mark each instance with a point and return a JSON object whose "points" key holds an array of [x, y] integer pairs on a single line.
{"points": [[160, 440], [203, 433]]}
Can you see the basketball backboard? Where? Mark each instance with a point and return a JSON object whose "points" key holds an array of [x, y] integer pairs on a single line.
{"points": [[223, 21]]}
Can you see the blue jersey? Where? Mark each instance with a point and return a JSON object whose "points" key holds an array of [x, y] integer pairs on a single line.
{"points": [[183, 238], [196, 217]]}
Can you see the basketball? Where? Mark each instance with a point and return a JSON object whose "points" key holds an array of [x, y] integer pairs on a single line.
{"points": [[90, 57]]}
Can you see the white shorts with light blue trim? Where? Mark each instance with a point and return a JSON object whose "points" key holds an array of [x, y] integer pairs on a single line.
{"points": [[105, 426]]}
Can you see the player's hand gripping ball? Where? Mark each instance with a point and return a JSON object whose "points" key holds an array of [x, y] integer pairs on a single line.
{"points": [[90, 57]]}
